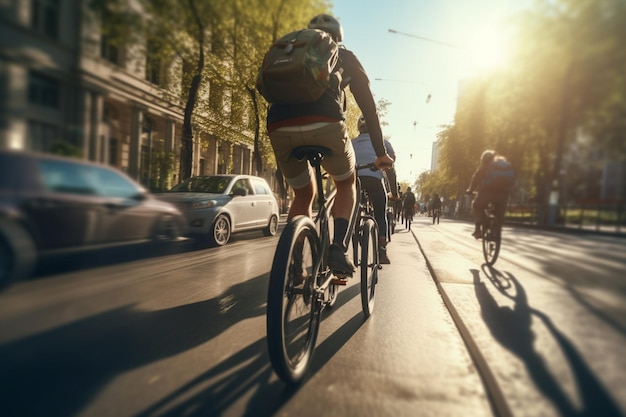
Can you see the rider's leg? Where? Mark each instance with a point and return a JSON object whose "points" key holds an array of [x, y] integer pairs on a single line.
{"points": [[302, 201], [378, 197], [500, 202], [342, 210], [478, 212]]}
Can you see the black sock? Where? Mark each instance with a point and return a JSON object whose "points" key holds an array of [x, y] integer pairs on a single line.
{"points": [[339, 234]]}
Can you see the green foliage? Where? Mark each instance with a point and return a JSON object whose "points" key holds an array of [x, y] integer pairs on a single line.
{"points": [[65, 148], [567, 76], [221, 43]]}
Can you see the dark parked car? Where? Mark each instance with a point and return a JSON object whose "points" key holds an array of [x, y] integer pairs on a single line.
{"points": [[218, 205], [51, 204]]}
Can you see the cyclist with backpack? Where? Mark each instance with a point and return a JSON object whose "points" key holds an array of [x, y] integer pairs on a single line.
{"points": [[494, 179], [373, 182], [322, 122]]}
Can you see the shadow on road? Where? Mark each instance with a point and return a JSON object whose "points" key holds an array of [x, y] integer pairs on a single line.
{"points": [[570, 267], [59, 372], [216, 390], [512, 329], [94, 258]]}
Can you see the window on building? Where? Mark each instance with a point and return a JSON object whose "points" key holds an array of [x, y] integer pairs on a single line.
{"points": [[41, 137], [43, 90], [108, 50], [44, 17], [153, 62], [110, 38], [114, 152], [216, 98]]}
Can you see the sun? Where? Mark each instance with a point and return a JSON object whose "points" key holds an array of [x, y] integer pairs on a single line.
{"points": [[485, 53]]}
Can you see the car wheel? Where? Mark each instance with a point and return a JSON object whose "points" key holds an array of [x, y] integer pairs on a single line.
{"points": [[18, 253], [272, 226], [220, 232], [166, 229]]}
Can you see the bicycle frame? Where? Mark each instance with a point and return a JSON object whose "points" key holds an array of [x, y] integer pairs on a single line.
{"points": [[364, 211], [323, 274], [491, 240]]}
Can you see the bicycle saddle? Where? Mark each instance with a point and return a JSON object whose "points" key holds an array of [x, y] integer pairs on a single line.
{"points": [[311, 152]]}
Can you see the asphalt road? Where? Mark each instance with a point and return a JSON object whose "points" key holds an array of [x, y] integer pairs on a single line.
{"points": [[180, 330]]}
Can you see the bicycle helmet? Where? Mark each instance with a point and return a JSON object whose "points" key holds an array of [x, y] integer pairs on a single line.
{"points": [[487, 156], [362, 125], [329, 24]]}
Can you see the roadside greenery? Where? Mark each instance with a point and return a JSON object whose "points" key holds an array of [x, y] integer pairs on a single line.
{"points": [[561, 96], [212, 50], [566, 81]]}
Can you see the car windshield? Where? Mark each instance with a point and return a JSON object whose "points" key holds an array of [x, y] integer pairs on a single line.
{"points": [[215, 185]]}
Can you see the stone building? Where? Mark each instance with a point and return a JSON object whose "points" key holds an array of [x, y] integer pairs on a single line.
{"points": [[65, 86]]}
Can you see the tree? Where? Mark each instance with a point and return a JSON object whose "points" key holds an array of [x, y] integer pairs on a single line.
{"points": [[566, 76]]}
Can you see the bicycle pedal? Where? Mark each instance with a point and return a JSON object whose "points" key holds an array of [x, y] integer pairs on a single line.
{"points": [[339, 281]]}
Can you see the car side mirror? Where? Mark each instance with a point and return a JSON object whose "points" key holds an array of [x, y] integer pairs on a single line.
{"points": [[142, 195], [240, 192]]}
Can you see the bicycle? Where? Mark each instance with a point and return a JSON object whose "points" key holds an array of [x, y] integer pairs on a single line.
{"points": [[492, 235], [436, 215], [391, 222], [301, 285]]}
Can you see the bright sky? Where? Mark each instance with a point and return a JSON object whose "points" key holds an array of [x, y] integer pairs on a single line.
{"points": [[404, 70]]}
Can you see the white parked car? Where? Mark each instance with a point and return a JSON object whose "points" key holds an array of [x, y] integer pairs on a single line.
{"points": [[218, 205]]}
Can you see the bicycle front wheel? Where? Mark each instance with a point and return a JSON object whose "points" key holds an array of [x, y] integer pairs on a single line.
{"points": [[369, 266], [293, 312], [491, 242]]}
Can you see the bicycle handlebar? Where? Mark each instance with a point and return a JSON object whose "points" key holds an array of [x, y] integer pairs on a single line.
{"points": [[371, 166]]}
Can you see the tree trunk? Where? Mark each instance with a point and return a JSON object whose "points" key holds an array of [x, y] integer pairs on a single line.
{"points": [[186, 151]]}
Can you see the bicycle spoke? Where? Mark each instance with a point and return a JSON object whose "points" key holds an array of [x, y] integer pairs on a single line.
{"points": [[292, 308]]}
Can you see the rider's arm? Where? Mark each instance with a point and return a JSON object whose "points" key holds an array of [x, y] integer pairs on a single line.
{"points": [[476, 178], [391, 172], [360, 88]]}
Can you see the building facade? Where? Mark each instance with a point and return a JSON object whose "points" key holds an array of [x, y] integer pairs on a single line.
{"points": [[66, 88]]}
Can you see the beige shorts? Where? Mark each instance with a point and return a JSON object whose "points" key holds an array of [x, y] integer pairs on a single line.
{"points": [[340, 165]]}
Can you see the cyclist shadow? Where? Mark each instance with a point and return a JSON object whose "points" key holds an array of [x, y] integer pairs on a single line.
{"points": [[512, 329], [246, 372]]}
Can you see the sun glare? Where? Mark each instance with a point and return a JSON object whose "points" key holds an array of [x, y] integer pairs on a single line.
{"points": [[485, 53]]}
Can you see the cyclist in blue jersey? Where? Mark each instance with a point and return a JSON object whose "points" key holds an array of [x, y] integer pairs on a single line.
{"points": [[374, 183]]}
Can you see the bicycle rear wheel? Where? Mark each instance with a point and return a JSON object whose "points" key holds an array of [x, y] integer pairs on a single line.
{"points": [[491, 242], [293, 312], [369, 266], [390, 225]]}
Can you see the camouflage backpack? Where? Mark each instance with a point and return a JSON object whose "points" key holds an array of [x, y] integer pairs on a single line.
{"points": [[298, 67]]}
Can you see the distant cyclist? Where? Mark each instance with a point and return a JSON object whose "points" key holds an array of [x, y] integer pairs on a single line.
{"points": [[494, 180], [322, 123], [374, 183], [436, 208]]}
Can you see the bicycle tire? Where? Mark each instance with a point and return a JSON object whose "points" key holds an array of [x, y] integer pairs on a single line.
{"points": [[369, 266], [293, 312], [491, 242], [390, 225]]}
